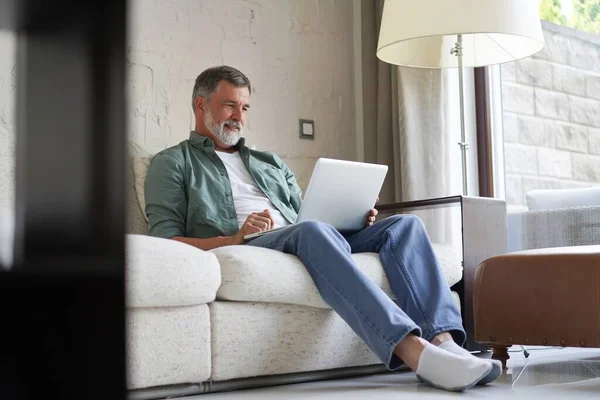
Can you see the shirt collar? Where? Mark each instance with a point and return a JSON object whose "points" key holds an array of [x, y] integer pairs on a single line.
{"points": [[199, 141]]}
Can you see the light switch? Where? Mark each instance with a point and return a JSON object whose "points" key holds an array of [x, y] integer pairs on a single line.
{"points": [[307, 129]]}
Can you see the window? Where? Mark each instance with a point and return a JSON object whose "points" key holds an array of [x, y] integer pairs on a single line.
{"points": [[582, 15], [550, 124]]}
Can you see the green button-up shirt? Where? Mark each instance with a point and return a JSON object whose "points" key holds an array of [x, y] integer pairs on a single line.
{"points": [[188, 192]]}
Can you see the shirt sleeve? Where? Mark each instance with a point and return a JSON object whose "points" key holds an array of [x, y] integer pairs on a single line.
{"points": [[296, 192], [166, 201]]}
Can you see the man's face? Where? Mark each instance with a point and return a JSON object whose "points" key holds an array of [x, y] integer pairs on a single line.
{"points": [[225, 113]]}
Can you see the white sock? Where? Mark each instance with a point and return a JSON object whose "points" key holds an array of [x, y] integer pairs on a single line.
{"points": [[448, 371], [453, 347]]}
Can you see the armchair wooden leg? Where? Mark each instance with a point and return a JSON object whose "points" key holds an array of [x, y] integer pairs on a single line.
{"points": [[500, 353]]}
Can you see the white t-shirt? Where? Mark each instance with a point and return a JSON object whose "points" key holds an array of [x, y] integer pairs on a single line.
{"points": [[247, 196]]}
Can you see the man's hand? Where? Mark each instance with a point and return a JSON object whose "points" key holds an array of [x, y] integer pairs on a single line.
{"points": [[256, 222], [372, 214]]}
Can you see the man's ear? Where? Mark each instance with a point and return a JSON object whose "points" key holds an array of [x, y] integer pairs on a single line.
{"points": [[199, 104]]}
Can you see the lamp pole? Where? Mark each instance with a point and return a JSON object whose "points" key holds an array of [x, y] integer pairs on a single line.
{"points": [[457, 50]]}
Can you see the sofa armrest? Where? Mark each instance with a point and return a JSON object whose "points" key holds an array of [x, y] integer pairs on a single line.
{"points": [[166, 273], [577, 226]]}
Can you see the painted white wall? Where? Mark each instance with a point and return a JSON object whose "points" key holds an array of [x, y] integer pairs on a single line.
{"points": [[297, 54]]}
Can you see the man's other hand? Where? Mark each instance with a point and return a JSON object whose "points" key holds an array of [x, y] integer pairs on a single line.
{"points": [[372, 214], [256, 222]]}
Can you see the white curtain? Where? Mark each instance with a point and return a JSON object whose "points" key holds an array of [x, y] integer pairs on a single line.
{"points": [[412, 124], [422, 145]]}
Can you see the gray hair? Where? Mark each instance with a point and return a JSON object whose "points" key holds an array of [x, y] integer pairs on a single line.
{"points": [[207, 81]]}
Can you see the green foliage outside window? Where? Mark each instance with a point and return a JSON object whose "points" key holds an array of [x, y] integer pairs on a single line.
{"points": [[550, 10], [585, 14]]}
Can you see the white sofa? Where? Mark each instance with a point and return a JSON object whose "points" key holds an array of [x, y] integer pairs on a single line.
{"points": [[235, 312]]}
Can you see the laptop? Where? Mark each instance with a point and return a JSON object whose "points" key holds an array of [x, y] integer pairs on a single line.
{"points": [[339, 193]]}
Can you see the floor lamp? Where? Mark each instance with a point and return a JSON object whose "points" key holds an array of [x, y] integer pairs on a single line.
{"points": [[458, 34]]}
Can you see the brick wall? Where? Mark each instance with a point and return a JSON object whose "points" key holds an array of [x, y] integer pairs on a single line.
{"points": [[551, 104]]}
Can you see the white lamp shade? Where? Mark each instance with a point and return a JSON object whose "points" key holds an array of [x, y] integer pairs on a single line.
{"points": [[421, 33]]}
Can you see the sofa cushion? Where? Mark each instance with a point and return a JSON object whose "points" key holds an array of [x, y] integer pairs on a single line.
{"points": [[140, 160], [166, 273], [549, 199], [263, 275], [450, 259], [167, 346], [138, 164], [299, 339]]}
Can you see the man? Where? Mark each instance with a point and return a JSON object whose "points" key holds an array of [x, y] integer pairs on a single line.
{"points": [[211, 190]]}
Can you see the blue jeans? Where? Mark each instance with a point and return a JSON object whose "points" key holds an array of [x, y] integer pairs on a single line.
{"points": [[424, 304]]}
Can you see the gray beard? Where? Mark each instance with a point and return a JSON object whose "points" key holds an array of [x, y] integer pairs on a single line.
{"points": [[218, 130]]}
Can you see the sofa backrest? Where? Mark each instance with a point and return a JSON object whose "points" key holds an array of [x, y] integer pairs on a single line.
{"points": [[551, 199], [138, 161]]}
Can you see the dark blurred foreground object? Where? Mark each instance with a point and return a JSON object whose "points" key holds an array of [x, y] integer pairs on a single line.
{"points": [[62, 306]]}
